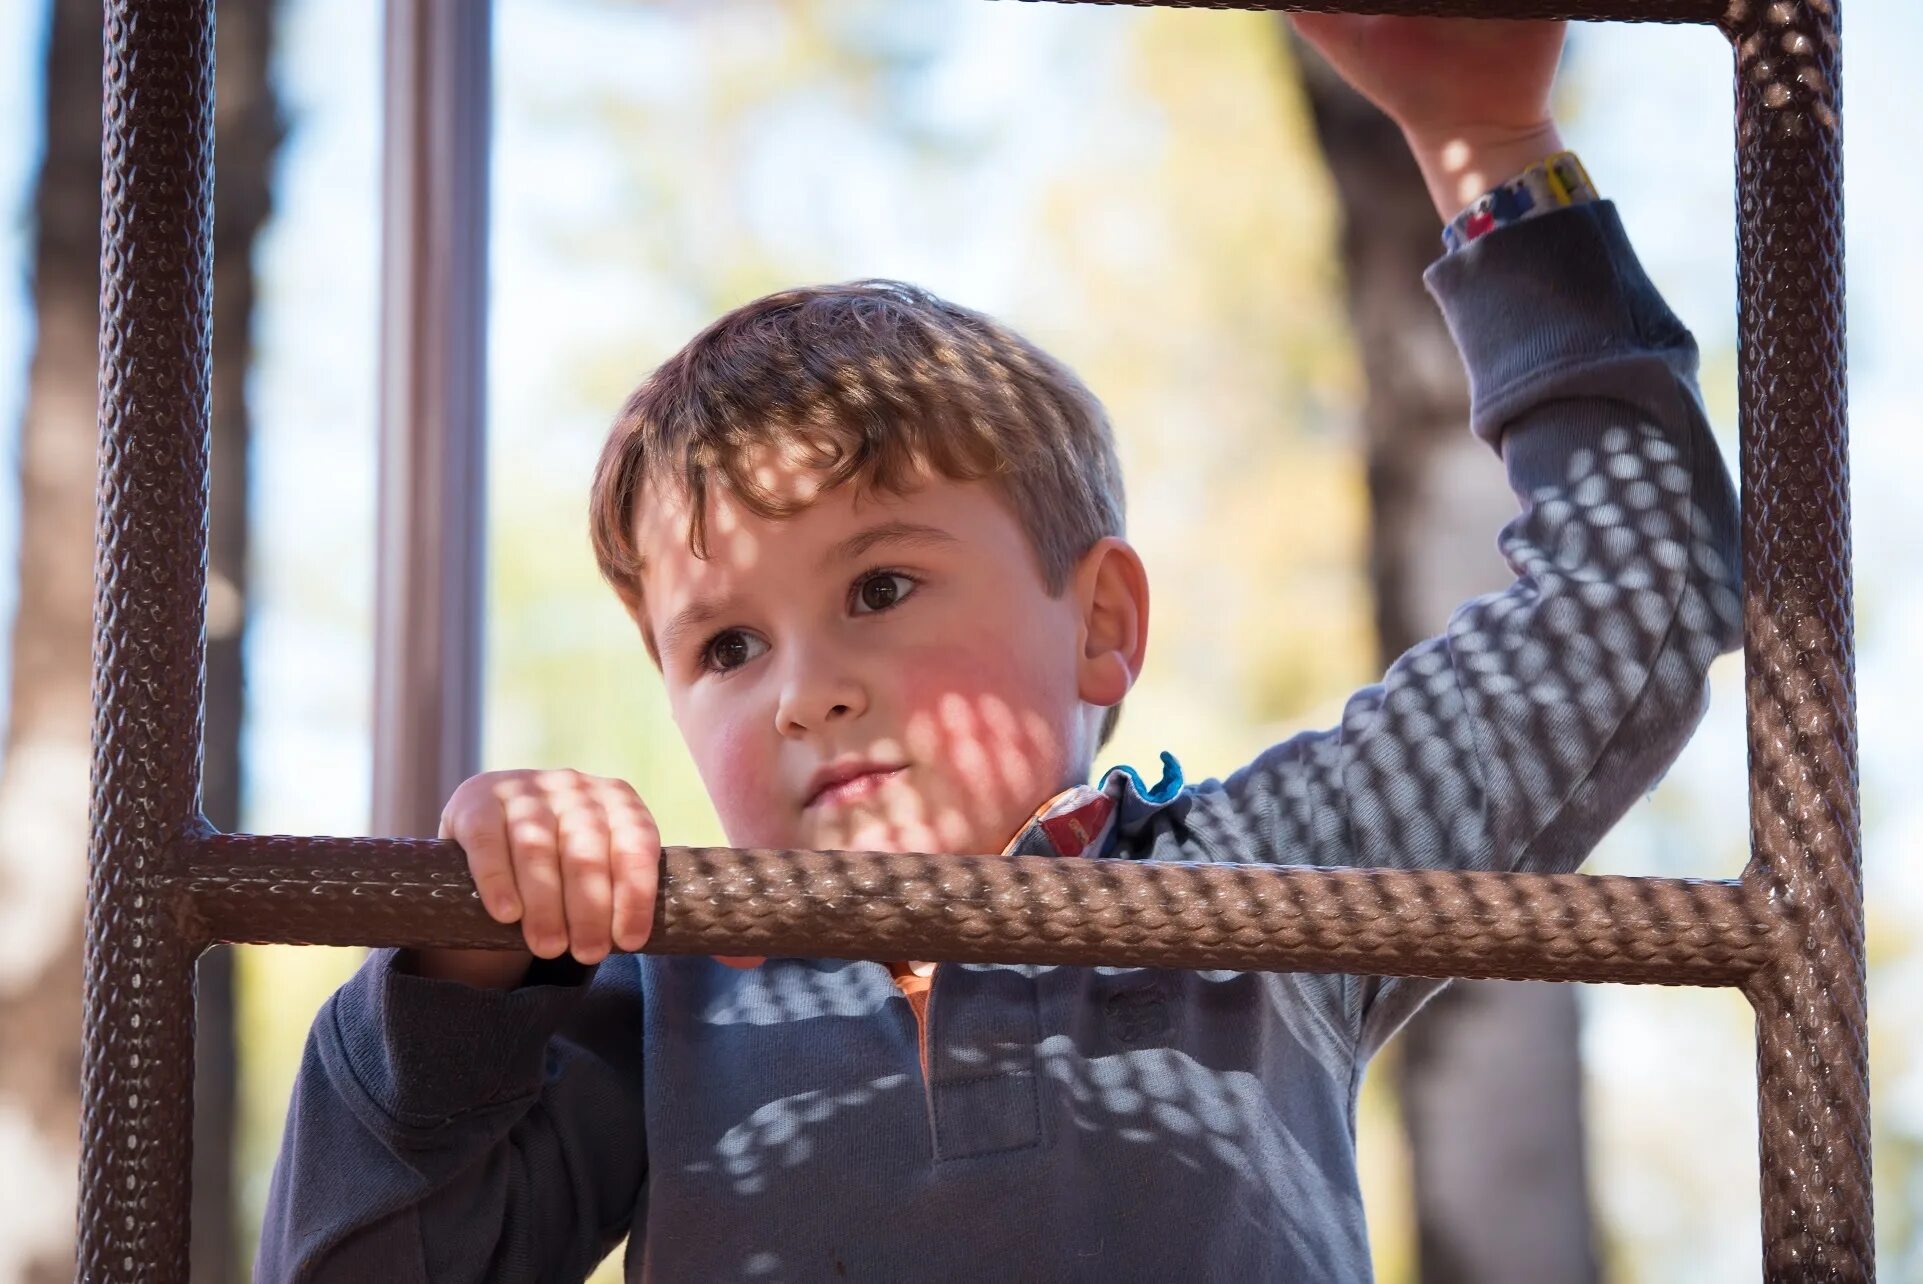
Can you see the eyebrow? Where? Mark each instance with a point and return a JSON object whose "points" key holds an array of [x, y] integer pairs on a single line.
{"points": [[693, 616], [687, 620], [916, 534]]}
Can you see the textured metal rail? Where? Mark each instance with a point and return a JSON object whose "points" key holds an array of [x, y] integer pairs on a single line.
{"points": [[1790, 934], [1805, 826], [149, 637], [1029, 909]]}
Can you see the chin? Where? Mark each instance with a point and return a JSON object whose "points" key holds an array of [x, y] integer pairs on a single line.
{"points": [[877, 836], [873, 833]]}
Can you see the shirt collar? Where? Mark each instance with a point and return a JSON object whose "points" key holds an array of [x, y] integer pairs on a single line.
{"points": [[1082, 820]]}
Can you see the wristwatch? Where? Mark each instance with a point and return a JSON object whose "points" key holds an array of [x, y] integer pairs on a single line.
{"points": [[1551, 183]]}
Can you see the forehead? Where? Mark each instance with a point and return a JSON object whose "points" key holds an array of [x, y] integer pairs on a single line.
{"points": [[737, 537], [740, 543], [733, 532]]}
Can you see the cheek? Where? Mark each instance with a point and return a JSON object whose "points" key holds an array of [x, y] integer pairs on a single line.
{"points": [[1000, 714], [737, 769]]}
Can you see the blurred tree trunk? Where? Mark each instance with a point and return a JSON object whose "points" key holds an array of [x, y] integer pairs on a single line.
{"points": [[44, 765], [1489, 1082], [43, 774], [247, 130]]}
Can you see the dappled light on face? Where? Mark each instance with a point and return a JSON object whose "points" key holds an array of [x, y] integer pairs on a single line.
{"points": [[741, 548], [732, 543], [1003, 734], [733, 536], [970, 749], [977, 771], [905, 638]]}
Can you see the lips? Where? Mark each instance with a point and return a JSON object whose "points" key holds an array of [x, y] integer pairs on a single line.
{"points": [[848, 780]]}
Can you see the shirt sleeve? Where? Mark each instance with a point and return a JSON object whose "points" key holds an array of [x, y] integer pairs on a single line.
{"points": [[443, 1132], [1520, 735]]}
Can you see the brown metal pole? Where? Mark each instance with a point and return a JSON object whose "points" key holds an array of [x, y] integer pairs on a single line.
{"points": [[432, 541], [1806, 846], [1030, 909], [155, 368]]}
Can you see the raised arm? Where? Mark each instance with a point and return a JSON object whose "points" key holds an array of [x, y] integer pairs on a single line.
{"points": [[1515, 739]]}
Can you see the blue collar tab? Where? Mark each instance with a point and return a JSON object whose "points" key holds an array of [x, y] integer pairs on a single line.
{"points": [[1165, 789]]}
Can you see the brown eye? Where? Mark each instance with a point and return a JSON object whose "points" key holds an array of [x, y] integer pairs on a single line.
{"points": [[883, 590], [728, 650]]}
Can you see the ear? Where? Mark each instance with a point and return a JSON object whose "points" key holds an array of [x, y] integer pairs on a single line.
{"points": [[1110, 586]]}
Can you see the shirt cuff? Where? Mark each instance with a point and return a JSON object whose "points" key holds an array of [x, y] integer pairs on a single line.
{"points": [[1542, 296], [425, 1050]]}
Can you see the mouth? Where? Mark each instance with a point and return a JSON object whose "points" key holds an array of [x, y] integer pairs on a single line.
{"points": [[840, 785]]}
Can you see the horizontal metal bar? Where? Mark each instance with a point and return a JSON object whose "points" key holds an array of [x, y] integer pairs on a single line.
{"points": [[1026, 909]]}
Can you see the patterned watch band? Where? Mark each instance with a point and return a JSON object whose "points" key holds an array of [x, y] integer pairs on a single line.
{"points": [[1549, 184]]}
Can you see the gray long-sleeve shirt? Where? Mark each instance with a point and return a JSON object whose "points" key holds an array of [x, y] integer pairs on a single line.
{"points": [[1080, 1123]]}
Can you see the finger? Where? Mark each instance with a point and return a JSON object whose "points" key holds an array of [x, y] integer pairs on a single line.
{"points": [[743, 961], [634, 861], [482, 835], [534, 847], [584, 880]]}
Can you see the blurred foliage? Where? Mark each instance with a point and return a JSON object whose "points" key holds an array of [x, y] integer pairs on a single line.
{"points": [[1136, 191]]}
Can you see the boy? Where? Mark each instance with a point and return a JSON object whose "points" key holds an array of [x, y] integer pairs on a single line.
{"points": [[874, 544]]}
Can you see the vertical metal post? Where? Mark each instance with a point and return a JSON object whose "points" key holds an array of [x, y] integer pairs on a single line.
{"points": [[149, 644], [1805, 825], [431, 546]]}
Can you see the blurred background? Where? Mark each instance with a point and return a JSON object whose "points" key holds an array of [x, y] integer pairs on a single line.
{"points": [[1223, 242]]}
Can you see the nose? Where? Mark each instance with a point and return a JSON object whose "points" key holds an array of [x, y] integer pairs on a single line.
{"points": [[818, 690]]}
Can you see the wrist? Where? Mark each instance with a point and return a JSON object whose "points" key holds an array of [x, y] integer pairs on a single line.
{"points": [[1459, 165]]}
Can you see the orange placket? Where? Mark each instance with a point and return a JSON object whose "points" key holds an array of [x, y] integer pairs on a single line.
{"points": [[916, 989]]}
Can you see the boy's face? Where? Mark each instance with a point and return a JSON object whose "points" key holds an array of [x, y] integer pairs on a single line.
{"points": [[907, 638]]}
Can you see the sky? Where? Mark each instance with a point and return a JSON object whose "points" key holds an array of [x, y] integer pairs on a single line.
{"points": [[1648, 109]]}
